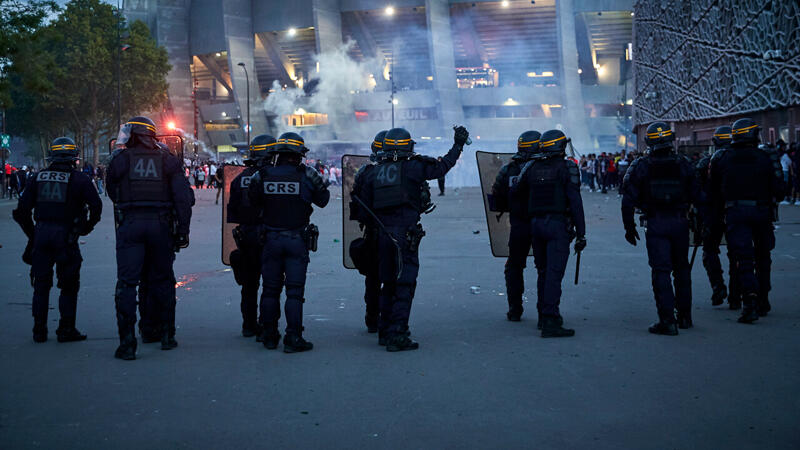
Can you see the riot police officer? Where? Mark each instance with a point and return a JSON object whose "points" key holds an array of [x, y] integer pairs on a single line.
{"points": [[149, 308], [58, 198], [663, 185], [372, 283], [152, 209], [712, 235], [246, 259], [392, 191], [519, 241], [283, 191], [552, 186], [746, 184]]}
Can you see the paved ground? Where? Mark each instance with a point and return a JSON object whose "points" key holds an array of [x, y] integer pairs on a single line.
{"points": [[477, 381]]}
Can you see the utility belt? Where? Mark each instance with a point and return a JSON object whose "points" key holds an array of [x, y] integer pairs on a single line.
{"points": [[309, 234]]}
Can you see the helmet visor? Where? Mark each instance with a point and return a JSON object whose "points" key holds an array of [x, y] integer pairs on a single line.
{"points": [[124, 135]]}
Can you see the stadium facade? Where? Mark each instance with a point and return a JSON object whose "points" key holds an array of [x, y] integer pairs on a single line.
{"points": [[328, 68], [706, 63]]}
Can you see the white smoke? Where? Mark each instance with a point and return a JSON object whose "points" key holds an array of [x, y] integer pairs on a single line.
{"points": [[338, 78]]}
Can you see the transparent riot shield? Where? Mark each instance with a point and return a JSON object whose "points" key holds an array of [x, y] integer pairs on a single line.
{"points": [[350, 229], [229, 172], [499, 225]]}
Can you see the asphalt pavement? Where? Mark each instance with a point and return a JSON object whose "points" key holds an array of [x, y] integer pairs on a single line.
{"points": [[477, 381]]}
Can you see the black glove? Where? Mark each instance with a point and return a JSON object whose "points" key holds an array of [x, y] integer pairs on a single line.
{"points": [[580, 244], [631, 235], [182, 241], [85, 230], [460, 136]]}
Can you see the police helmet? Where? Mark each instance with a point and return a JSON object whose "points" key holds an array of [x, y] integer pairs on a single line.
{"points": [[398, 140], [377, 143], [553, 141], [63, 149], [659, 135], [260, 145], [139, 125], [289, 143], [745, 131], [722, 136], [529, 142]]}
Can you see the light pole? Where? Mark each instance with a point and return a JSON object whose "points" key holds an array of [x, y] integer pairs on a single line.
{"points": [[119, 68], [247, 79]]}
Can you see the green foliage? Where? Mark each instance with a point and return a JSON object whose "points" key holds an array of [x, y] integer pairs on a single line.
{"points": [[65, 80]]}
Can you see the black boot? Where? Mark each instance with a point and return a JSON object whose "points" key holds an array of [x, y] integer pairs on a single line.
{"points": [[270, 338], [294, 343], [372, 323], [719, 294], [552, 327], [539, 323], [514, 313], [749, 311], [734, 303], [685, 321], [168, 341], [250, 329], [67, 332], [39, 331], [127, 347], [763, 307], [400, 343], [665, 327]]}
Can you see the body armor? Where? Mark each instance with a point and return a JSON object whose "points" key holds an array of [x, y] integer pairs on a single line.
{"points": [[665, 185], [145, 184], [744, 178], [246, 214], [392, 188], [52, 187], [547, 194], [287, 209]]}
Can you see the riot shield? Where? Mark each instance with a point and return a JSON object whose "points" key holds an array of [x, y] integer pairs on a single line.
{"points": [[499, 225], [350, 229], [229, 172]]}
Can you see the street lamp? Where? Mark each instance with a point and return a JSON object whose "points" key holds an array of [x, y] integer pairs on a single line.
{"points": [[247, 79]]}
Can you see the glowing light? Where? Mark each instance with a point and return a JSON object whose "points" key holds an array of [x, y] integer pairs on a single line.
{"points": [[601, 70], [510, 102], [300, 111], [430, 77], [394, 101], [224, 114], [389, 11], [505, 3], [171, 125], [629, 101], [580, 71], [219, 54], [292, 31]]}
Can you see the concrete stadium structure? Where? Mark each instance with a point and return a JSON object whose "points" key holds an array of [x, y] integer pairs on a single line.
{"points": [[500, 67], [703, 64]]}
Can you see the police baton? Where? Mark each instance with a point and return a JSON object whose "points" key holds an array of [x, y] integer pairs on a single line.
{"points": [[389, 235], [694, 254], [577, 267]]}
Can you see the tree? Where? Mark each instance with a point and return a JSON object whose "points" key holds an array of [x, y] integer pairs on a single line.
{"points": [[18, 21], [78, 54]]}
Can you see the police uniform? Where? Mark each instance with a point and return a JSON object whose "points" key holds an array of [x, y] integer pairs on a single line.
{"points": [[712, 235], [664, 186], [551, 185], [283, 192], [519, 241], [393, 192], [746, 184], [372, 283], [152, 204], [150, 325], [246, 259], [58, 198]]}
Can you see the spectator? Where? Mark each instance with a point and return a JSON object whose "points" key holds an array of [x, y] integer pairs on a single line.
{"points": [[100, 177], [788, 173]]}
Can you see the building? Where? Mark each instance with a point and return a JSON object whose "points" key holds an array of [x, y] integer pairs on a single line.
{"points": [[338, 71], [705, 63]]}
